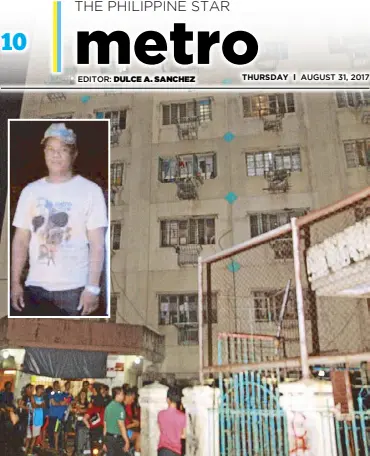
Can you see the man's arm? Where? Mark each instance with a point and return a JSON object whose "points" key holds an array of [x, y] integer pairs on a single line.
{"points": [[21, 242], [96, 240], [20, 245], [90, 302], [37, 406], [86, 421], [122, 428], [57, 404]]}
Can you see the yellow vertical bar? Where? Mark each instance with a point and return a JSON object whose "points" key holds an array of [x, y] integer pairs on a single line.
{"points": [[55, 37]]}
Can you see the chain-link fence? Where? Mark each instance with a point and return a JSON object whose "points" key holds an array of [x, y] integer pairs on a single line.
{"points": [[251, 290]]}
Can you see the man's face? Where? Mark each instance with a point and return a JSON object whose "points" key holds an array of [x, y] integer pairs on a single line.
{"points": [[56, 386], [120, 397], [40, 392], [129, 399], [29, 391], [67, 387], [85, 386], [8, 387], [58, 156]]}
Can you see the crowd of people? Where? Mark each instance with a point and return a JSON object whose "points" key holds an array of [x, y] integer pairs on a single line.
{"points": [[46, 418]]}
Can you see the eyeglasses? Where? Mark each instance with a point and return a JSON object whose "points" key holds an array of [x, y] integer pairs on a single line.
{"points": [[61, 151]]}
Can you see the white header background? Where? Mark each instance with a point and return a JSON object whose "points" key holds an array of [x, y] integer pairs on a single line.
{"points": [[304, 27]]}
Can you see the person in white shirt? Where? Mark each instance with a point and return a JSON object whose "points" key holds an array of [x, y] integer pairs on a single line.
{"points": [[60, 223]]}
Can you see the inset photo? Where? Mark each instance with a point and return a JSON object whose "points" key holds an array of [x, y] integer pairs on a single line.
{"points": [[58, 178]]}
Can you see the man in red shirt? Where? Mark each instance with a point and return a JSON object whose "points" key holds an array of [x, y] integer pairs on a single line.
{"points": [[172, 424], [94, 419], [131, 422]]}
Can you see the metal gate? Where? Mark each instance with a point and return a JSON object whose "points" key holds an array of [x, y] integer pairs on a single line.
{"points": [[251, 420]]}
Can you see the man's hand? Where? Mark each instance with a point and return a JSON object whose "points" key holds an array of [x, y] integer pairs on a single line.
{"points": [[127, 446], [17, 297], [89, 303], [105, 449]]}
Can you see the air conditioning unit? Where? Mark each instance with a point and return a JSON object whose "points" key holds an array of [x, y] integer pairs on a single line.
{"points": [[365, 119]]}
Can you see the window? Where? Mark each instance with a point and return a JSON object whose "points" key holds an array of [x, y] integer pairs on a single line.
{"points": [[187, 166], [267, 305], [115, 235], [113, 307], [183, 308], [53, 97], [179, 112], [357, 152], [352, 99], [188, 336], [59, 116], [117, 174], [265, 105], [194, 231], [262, 223], [260, 162], [117, 118]]}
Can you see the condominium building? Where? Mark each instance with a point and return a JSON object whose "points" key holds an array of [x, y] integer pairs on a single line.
{"points": [[194, 172]]}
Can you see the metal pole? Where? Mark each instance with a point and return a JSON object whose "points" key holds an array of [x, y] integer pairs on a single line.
{"points": [[300, 302], [315, 336], [209, 315], [200, 319]]}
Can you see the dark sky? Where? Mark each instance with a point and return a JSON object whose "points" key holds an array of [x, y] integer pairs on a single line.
{"points": [[12, 71], [27, 159]]}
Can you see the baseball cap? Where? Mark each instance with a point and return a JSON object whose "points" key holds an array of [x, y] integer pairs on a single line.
{"points": [[59, 130]]}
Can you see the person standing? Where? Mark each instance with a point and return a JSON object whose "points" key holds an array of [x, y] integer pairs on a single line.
{"points": [[172, 424], [7, 396], [87, 389], [67, 417], [38, 406], [56, 414], [94, 420], [27, 406], [106, 396], [132, 424], [115, 434], [60, 223]]}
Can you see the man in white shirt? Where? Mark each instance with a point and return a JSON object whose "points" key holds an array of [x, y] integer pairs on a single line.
{"points": [[60, 224]]}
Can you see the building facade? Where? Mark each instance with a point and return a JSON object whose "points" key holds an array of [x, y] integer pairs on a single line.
{"points": [[193, 173]]}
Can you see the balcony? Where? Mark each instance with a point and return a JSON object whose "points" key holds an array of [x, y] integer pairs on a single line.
{"points": [[187, 127], [187, 189], [277, 180], [283, 248], [188, 333], [365, 117], [274, 125], [115, 134], [187, 255]]}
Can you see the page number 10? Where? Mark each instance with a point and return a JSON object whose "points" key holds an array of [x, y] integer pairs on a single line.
{"points": [[13, 42]]}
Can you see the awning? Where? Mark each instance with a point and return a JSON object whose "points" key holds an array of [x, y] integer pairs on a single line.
{"points": [[84, 335], [68, 364]]}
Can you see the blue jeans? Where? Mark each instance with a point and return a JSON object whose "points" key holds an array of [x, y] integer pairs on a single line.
{"points": [[41, 302]]}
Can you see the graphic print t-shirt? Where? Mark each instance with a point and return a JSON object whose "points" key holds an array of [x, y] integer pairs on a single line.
{"points": [[59, 216]]}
